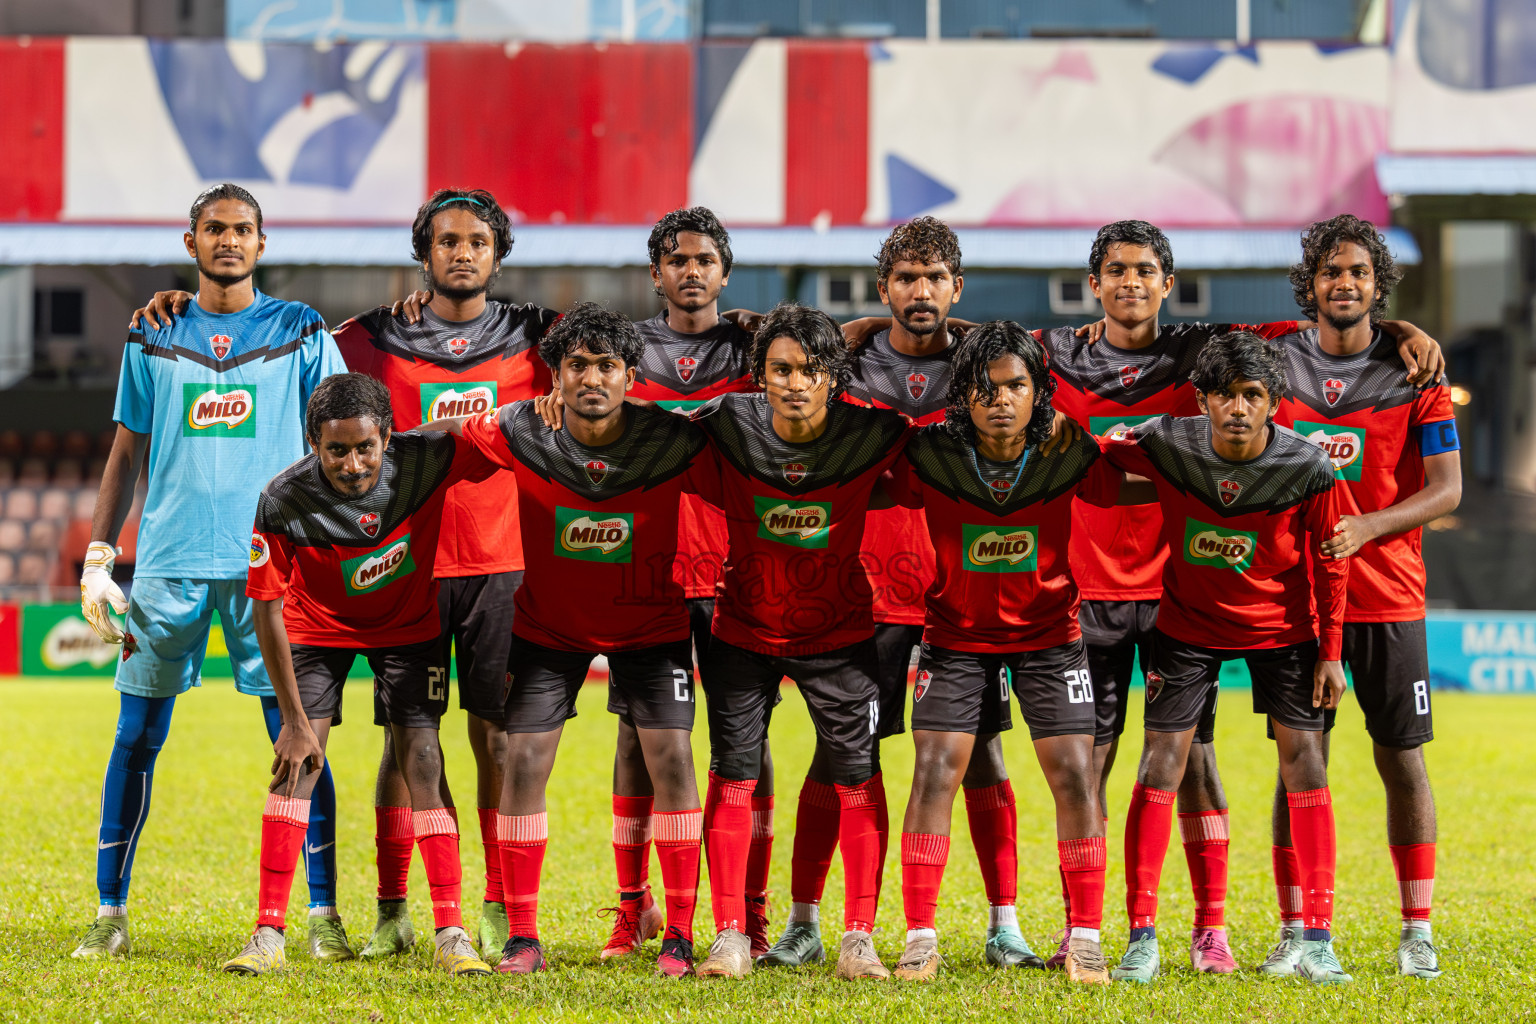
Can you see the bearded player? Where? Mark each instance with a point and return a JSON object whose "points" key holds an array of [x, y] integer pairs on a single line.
{"points": [[1002, 608], [1139, 369], [217, 403], [461, 354], [1395, 451], [1246, 506], [599, 503], [340, 566], [906, 367], [797, 471]]}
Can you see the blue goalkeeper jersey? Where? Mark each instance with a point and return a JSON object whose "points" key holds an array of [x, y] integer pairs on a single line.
{"points": [[222, 398]]}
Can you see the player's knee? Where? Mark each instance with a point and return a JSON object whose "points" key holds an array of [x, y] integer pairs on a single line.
{"points": [[627, 747], [1402, 768], [1162, 761], [143, 723], [986, 766]]}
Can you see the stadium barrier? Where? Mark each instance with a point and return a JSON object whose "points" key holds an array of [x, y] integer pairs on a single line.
{"points": [[1474, 652]]}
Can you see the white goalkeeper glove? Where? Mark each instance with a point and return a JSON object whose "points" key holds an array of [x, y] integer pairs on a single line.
{"points": [[97, 591]]}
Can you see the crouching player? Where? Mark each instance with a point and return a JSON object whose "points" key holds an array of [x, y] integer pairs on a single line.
{"points": [[598, 501], [341, 565], [1002, 606], [1246, 507]]}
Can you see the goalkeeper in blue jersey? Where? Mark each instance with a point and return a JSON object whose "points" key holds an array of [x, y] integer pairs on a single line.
{"points": [[216, 400]]}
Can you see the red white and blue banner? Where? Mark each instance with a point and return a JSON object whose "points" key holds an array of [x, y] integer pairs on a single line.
{"points": [[771, 132]]}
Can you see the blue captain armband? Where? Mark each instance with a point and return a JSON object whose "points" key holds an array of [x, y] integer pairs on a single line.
{"points": [[1438, 438]]}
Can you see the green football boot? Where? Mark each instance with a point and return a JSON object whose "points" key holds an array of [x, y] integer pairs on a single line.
{"points": [[1319, 965], [1006, 948], [107, 937], [493, 932], [393, 934], [1416, 956], [1141, 962], [328, 940], [799, 945], [1281, 962]]}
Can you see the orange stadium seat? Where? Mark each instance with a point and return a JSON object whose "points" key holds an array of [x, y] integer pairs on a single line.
{"points": [[55, 503], [21, 503], [13, 535]]}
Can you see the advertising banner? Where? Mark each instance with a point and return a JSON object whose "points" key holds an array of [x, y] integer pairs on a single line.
{"points": [[57, 641]]}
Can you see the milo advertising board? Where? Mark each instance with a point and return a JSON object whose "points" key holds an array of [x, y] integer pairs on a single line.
{"points": [[57, 641]]}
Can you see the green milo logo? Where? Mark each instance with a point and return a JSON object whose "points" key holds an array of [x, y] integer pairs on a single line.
{"points": [[1000, 548], [594, 537], [1101, 426], [1205, 544], [218, 410], [800, 524], [380, 567], [464, 398], [1344, 446]]}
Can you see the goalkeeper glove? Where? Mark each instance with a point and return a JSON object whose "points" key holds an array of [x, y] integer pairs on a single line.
{"points": [[97, 591]]}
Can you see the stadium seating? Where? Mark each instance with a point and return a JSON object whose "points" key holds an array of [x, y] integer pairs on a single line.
{"points": [[48, 485]]}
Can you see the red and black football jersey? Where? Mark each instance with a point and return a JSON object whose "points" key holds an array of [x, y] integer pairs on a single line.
{"points": [[357, 572], [1376, 429], [680, 372], [438, 368], [1244, 570], [1117, 553], [795, 513], [599, 525], [897, 553], [1000, 534]]}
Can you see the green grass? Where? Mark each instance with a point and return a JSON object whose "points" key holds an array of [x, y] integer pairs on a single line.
{"points": [[195, 884]]}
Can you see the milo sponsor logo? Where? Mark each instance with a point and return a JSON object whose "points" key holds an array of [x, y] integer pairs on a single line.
{"points": [[591, 537], [1103, 426], [1344, 446], [217, 410], [1205, 544], [1000, 548], [466, 398], [73, 642], [800, 524], [376, 570]]}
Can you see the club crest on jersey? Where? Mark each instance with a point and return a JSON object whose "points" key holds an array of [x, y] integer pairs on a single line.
{"points": [[924, 677], [1333, 390], [917, 383], [220, 343], [1000, 489], [1229, 490], [686, 365], [457, 346], [1128, 375], [259, 551], [597, 469], [370, 523], [795, 472]]}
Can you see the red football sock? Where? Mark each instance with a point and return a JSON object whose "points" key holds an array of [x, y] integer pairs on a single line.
{"points": [[1287, 882], [859, 835], [760, 853], [394, 838], [994, 822], [1206, 837], [490, 845], [923, 857], [632, 841], [1082, 871], [283, 823], [437, 834], [1312, 834], [727, 840], [1148, 825], [523, 839], [1414, 865], [677, 847], [816, 831]]}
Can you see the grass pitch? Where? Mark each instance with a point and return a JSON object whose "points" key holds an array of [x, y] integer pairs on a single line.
{"points": [[194, 887]]}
